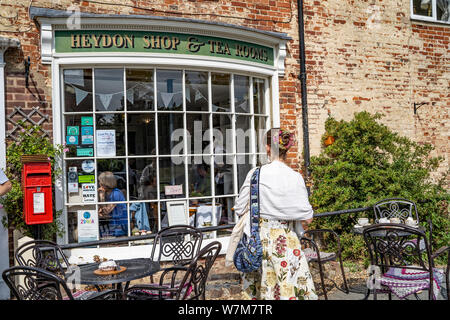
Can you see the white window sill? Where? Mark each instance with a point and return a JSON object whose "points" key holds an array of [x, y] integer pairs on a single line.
{"points": [[429, 20]]}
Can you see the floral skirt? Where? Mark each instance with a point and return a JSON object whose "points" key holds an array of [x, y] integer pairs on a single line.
{"points": [[284, 273]]}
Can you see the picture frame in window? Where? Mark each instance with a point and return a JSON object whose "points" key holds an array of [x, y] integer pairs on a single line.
{"points": [[177, 213]]}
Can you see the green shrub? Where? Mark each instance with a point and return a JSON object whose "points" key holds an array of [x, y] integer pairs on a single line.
{"points": [[369, 162], [30, 141]]}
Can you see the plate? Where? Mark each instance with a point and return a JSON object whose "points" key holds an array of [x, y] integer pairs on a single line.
{"points": [[108, 273]]}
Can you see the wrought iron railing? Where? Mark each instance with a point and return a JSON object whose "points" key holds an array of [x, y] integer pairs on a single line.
{"points": [[206, 229]]}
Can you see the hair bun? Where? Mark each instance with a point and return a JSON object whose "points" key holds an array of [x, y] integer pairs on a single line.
{"points": [[285, 139]]}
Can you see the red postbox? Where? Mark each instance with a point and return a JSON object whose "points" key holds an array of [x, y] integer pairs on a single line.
{"points": [[37, 192]]}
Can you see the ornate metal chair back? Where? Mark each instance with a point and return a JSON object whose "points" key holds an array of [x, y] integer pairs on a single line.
{"points": [[38, 284], [398, 246], [395, 208], [42, 254], [193, 285], [178, 244]]}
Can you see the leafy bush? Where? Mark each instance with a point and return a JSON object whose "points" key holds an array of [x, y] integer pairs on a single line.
{"points": [[29, 142], [366, 163]]}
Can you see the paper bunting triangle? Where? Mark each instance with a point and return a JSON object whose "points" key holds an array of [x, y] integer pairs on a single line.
{"points": [[166, 98], [105, 98], [130, 95], [79, 95], [188, 94]]}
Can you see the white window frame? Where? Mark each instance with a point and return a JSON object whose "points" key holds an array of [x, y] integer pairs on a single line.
{"points": [[433, 18], [213, 197]]}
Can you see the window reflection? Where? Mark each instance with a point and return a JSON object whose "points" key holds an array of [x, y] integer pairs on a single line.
{"points": [[172, 176], [196, 91], [220, 86], [423, 7], [222, 134], [243, 134], [170, 90], [197, 126], [142, 178], [258, 96], [260, 131], [244, 164], [199, 174], [140, 91], [109, 90], [167, 124], [141, 134], [223, 175], [241, 90], [77, 90]]}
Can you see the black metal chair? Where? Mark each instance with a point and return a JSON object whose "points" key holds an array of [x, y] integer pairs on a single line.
{"points": [[176, 245], [315, 255], [40, 284], [396, 256], [43, 254], [193, 279], [395, 208]]}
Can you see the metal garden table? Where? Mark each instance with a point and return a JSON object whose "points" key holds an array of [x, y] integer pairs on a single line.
{"points": [[136, 269]]}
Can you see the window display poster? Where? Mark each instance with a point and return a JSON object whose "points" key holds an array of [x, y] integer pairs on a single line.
{"points": [[88, 166], [177, 213], [87, 135], [106, 143], [87, 225], [73, 130], [88, 192], [87, 121], [72, 180], [85, 152], [72, 140]]}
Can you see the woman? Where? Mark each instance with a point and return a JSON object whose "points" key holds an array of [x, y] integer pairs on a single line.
{"points": [[115, 213], [283, 199]]}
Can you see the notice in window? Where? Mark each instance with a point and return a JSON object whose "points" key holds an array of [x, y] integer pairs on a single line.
{"points": [[87, 225], [106, 143], [89, 192], [177, 214]]}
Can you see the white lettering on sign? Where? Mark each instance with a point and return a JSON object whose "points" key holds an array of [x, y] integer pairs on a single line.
{"points": [[89, 192], [173, 190]]}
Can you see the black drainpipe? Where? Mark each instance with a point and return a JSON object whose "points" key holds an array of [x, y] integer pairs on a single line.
{"points": [[302, 77]]}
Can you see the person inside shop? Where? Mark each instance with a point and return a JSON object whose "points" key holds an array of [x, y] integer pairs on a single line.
{"points": [[200, 173], [114, 214], [283, 199], [5, 184]]}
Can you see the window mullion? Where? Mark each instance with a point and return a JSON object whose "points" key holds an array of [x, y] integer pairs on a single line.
{"points": [[155, 93]]}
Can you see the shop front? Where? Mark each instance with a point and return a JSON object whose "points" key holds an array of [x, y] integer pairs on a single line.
{"points": [[161, 118]]}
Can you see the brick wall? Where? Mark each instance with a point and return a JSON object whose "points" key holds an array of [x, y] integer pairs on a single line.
{"points": [[360, 55]]}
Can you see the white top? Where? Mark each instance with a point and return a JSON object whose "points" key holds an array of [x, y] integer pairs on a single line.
{"points": [[3, 177], [282, 194]]}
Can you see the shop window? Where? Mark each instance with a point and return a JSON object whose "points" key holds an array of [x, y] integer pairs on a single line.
{"points": [[138, 157], [431, 10]]}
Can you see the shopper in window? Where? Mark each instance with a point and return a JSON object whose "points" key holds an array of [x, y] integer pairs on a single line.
{"points": [[5, 184], [283, 199], [115, 213]]}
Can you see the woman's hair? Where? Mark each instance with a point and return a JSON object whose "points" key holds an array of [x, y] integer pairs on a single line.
{"points": [[107, 179], [279, 140]]}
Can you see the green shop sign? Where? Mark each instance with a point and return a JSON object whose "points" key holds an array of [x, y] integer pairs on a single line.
{"points": [[156, 42]]}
